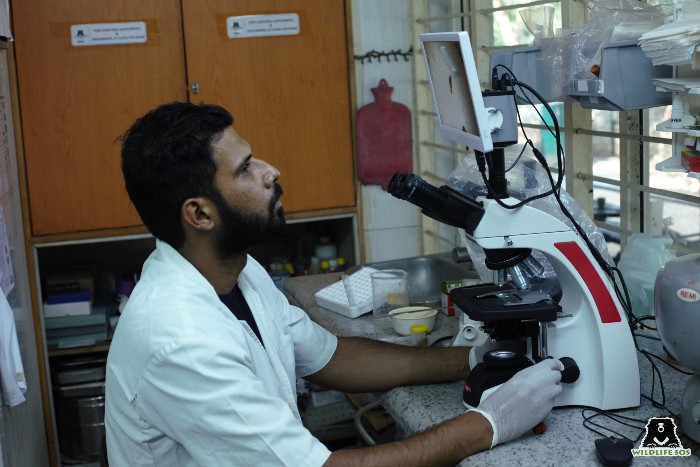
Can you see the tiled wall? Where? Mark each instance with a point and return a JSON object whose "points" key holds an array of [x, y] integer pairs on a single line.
{"points": [[391, 227]]}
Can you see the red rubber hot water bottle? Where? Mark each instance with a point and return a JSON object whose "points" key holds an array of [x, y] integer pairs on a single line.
{"points": [[384, 138]]}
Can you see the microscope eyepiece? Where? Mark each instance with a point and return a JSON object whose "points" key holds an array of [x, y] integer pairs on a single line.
{"points": [[412, 188], [443, 204]]}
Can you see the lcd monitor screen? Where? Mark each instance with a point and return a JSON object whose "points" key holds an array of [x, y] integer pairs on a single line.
{"points": [[456, 89]]}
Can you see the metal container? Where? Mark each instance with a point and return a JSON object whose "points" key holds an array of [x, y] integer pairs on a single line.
{"points": [[96, 388], [80, 370], [81, 426], [80, 406]]}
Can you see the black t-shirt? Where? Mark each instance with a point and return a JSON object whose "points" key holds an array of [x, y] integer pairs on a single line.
{"points": [[235, 301]]}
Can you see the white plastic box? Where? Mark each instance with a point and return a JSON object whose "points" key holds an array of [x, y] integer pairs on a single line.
{"points": [[335, 298]]}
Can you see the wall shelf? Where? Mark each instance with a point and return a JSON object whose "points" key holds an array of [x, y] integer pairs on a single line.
{"points": [[665, 126], [673, 164]]}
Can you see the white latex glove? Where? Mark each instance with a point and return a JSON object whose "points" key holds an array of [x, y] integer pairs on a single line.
{"points": [[523, 401]]}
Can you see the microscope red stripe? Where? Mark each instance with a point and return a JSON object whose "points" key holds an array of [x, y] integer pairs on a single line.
{"points": [[606, 305]]}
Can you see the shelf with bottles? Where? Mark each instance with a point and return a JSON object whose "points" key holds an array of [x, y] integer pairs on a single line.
{"points": [[311, 246]]}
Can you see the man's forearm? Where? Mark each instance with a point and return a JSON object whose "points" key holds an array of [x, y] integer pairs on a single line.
{"points": [[363, 365], [445, 444]]}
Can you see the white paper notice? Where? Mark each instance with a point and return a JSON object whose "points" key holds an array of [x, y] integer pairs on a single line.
{"points": [[108, 33], [285, 24]]}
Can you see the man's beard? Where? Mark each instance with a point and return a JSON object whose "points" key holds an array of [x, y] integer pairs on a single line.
{"points": [[238, 231]]}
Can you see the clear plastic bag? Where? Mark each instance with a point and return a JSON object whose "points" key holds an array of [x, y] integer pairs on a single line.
{"points": [[539, 20], [640, 262], [575, 53], [528, 178]]}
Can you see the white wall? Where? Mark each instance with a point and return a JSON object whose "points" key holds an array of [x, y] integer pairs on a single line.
{"points": [[390, 226]]}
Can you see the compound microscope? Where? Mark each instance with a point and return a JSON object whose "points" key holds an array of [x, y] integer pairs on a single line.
{"points": [[511, 324]]}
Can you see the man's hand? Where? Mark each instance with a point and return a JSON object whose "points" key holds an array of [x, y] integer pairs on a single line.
{"points": [[523, 401]]}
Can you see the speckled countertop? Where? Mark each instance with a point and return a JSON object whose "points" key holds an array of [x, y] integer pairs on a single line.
{"points": [[566, 441]]}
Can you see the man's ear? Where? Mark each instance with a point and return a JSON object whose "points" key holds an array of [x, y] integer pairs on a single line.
{"points": [[198, 213]]}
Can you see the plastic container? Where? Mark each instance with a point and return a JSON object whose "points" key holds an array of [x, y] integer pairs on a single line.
{"points": [[625, 82], [335, 298], [326, 249], [419, 334], [315, 265], [81, 426], [341, 264], [389, 292], [403, 318]]}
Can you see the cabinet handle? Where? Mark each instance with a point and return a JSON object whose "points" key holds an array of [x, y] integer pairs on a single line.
{"points": [[195, 87]]}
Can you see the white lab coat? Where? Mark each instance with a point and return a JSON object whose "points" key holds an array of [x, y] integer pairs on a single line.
{"points": [[189, 384]]}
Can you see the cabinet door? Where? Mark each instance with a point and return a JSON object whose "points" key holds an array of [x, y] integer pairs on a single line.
{"points": [[76, 100], [289, 94]]}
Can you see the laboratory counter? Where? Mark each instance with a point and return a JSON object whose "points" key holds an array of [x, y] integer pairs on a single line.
{"points": [[566, 440]]}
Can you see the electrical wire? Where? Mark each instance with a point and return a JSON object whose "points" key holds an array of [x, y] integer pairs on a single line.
{"points": [[661, 359], [621, 419], [440, 339], [555, 186], [358, 422], [647, 336], [485, 159], [611, 271], [617, 279]]}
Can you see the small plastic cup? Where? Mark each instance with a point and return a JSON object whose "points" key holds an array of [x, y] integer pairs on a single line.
{"points": [[419, 334], [389, 291]]}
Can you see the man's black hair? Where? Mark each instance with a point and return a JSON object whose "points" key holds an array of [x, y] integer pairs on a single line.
{"points": [[167, 157]]}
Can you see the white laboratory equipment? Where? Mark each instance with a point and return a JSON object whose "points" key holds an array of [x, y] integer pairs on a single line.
{"points": [[677, 311], [516, 324]]}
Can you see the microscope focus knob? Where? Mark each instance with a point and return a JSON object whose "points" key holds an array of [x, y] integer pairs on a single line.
{"points": [[571, 371]]}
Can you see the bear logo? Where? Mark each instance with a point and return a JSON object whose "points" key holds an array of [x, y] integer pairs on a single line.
{"points": [[661, 433]]}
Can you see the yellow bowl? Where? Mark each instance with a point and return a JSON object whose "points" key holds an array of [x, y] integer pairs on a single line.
{"points": [[403, 318]]}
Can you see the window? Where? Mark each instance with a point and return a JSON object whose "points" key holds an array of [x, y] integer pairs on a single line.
{"points": [[611, 156]]}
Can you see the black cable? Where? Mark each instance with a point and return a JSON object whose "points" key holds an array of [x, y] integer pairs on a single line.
{"points": [[440, 339], [620, 289], [609, 270], [555, 133], [621, 419], [517, 159], [639, 321], [646, 336], [538, 156], [625, 301], [680, 370]]}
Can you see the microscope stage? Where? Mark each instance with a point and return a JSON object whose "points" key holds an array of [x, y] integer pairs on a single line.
{"points": [[491, 302]]}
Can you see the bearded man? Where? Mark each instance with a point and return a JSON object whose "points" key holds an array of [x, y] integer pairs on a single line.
{"points": [[203, 364]]}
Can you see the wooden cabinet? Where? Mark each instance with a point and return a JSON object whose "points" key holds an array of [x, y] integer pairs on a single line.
{"points": [[289, 94], [290, 97], [75, 101]]}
